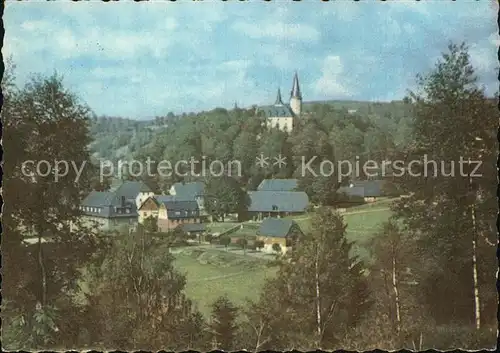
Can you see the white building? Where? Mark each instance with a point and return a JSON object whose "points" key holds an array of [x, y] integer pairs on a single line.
{"points": [[281, 115]]}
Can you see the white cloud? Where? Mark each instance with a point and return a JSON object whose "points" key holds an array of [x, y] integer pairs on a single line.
{"points": [[278, 30], [403, 6], [35, 25], [342, 10], [494, 39], [330, 83], [235, 65], [484, 59]]}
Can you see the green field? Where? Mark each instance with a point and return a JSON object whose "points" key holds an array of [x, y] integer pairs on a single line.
{"points": [[213, 272]]}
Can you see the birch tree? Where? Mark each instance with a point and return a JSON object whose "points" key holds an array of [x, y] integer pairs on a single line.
{"points": [[44, 122], [320, 291], [451, 207]]}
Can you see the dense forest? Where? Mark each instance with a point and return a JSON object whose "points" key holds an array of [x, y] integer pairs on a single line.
{"points": [[430, 284], [330, 130]]}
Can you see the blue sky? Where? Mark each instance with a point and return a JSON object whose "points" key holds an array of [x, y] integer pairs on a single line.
{"points": [[144, 59]]}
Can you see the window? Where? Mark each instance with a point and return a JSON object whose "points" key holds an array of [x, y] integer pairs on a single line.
{"points": [[177, 213], [127, 210], [275, 208]]}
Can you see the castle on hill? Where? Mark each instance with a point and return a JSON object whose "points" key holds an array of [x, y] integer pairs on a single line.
{"points": [[281, 115]]}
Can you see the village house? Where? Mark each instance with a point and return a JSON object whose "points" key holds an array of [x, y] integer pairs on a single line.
{"points": [[368, 190], [113, 210], [143, 196], [278, 185], [284, 232], [151, 206], [276, 203], [173, 213], [190, 191], [197, 229]]}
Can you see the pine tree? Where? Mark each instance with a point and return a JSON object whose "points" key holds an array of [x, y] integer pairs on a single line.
{"points": [[223, 324]]}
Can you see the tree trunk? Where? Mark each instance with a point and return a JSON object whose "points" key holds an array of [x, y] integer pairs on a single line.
{"points": [[477, 307], [318, 304], [396, 295], [42, 271]]}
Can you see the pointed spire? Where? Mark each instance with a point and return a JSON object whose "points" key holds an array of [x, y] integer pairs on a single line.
{"points": [[278, 98], [235, 105], [295, 88]]}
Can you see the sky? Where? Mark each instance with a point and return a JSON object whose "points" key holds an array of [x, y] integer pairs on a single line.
{"points": [[140, 60]]}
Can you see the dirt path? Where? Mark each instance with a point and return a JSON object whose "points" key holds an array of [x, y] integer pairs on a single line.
{"points": [[348, 213], [213, 278], [367, 211]]}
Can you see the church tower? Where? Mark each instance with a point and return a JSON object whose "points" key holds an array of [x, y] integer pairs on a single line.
{"points": [[278, 98], [296, 96]]}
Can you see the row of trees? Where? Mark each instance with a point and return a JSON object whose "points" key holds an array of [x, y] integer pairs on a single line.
{"points": [[432, 264]]}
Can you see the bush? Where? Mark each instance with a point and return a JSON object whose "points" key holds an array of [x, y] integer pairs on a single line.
{"points": [[225, 240], [466, 337], [259, 244]]}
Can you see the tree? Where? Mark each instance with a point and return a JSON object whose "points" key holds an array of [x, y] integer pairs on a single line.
{"points": [[389, 252], [223, 324], [137, 285], [313, 148], [209, 237], [151, 224], [448, 212], [243, 243], [395, 321], [320, 291], [39, 121], [259, 244], [224, 195], [277, 248], [225, 240], [103, 185]]}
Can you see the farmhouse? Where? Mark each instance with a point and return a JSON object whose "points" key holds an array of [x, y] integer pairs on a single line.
{"points": [[173, 213], [284, 232], [278, 185], [113, 210], [276, 203], [369, 190]]}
